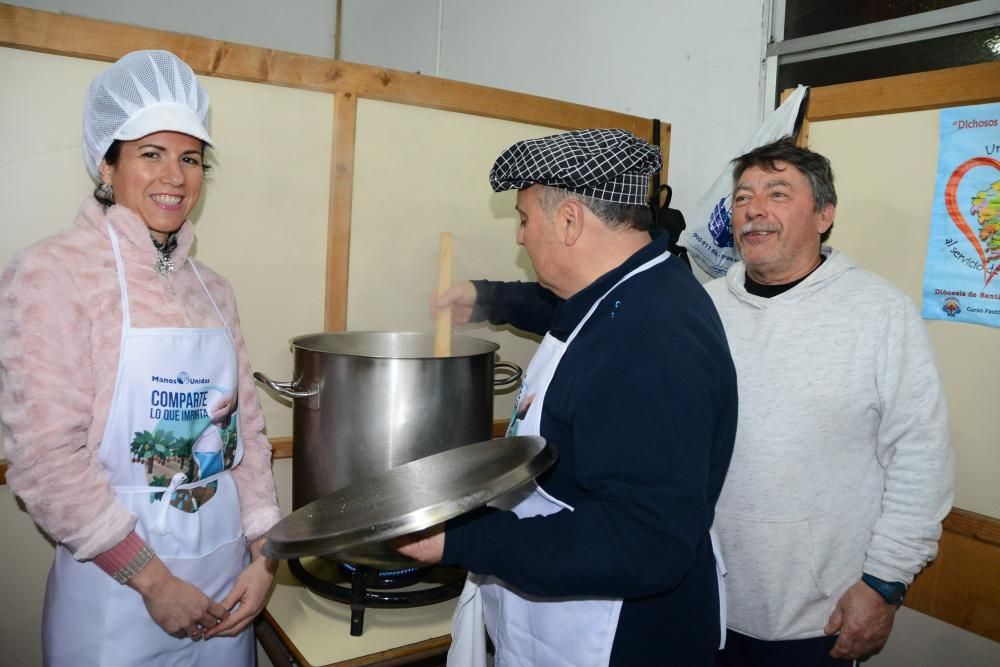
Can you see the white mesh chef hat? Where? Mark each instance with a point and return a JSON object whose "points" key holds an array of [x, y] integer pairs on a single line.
{"points": [[144, 92]]}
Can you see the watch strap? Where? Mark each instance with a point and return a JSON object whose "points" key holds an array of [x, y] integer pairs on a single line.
{"points": [[893, 592]]}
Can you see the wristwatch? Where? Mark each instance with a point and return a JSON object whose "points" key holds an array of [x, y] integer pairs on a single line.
{"points": [[894, 592]]}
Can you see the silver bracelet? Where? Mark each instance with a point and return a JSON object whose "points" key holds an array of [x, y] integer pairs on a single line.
{"points": [[134, 566]]}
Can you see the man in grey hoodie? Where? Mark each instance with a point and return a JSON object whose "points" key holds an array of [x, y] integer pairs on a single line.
{"points": [[842, 469]]}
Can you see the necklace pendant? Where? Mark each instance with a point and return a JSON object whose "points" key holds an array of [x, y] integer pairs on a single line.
{"points": [[164, 266]]}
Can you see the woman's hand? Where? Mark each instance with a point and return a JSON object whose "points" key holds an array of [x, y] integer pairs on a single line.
{"points": [[175, 605], [249, 594]]}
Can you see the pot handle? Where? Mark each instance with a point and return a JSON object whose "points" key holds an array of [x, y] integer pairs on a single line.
{"points": [[284, 388], [514, 374]]}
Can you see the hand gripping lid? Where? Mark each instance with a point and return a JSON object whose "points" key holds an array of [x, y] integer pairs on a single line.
{"points": [[353, 523], [144, 92]]}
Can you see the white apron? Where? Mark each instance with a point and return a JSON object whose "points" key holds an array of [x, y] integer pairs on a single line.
{"points": [[527, 631], [173, 423]]}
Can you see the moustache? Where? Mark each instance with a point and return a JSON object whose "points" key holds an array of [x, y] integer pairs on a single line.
{"points": [[754, 226]]}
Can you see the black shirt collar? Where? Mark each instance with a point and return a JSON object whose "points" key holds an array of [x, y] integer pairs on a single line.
{"points": [[768, 291]]}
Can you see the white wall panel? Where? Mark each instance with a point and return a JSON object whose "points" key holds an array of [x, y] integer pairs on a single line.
{"points": [[694, 64]]}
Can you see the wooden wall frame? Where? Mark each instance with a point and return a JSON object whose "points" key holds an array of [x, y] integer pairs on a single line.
{"points": [[970, 84], [72, 36], [35, 30], [956, 86], [962, 586]]}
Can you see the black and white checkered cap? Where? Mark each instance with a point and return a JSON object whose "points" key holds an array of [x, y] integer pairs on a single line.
{"points": [[613, 165]]}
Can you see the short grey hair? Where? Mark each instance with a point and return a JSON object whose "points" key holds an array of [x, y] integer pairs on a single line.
{"points": [[614, 216]]}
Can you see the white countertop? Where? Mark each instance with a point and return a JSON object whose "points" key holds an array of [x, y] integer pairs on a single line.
{"points": [[317, 630]]}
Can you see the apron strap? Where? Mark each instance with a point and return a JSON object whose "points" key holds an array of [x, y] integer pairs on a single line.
{"points": [[720, 573], [639, 269], [122, 286], [209, 295], [177, 483], [181, 486], [160, 526]]}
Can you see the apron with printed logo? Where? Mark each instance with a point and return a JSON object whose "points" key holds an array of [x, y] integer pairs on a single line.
{"points": [[171, 439], [542, 632]]}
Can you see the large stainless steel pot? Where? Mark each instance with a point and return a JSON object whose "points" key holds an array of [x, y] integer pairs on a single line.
{"points": [[365, 402]]}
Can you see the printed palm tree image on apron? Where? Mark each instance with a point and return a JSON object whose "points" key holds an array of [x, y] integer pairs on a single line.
{"points": [[196, 441]]}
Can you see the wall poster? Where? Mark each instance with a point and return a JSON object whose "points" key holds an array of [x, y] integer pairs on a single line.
{"points": [[962, 273]]}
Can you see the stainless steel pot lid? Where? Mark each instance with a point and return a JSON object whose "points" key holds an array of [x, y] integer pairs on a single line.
{"points": [[408, 498]]}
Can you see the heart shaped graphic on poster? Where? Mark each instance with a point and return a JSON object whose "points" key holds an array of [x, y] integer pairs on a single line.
{"points": [[986, 211]]}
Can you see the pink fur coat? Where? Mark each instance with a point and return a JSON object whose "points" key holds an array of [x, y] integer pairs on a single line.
{"points": [[60, 333]]}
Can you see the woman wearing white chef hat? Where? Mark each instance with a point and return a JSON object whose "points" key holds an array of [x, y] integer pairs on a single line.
{"points": [[118, 352]]}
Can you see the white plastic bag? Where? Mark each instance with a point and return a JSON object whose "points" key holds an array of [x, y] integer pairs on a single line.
{"points": [[709, 234]]}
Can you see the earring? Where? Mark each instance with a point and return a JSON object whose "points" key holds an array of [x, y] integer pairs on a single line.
{"points": [[107, 193]]}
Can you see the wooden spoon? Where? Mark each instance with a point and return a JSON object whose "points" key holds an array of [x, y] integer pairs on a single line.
{"points": [[442, 331]]}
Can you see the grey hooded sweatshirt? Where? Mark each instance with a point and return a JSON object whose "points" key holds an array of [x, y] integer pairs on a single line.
{"points": [[842, 463]]}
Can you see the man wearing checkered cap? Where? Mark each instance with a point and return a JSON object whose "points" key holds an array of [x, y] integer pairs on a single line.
{"points": [[608, 559]]}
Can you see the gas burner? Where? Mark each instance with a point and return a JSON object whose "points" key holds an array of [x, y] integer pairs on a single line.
{"points": [[385, 579], [362, 587]]}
